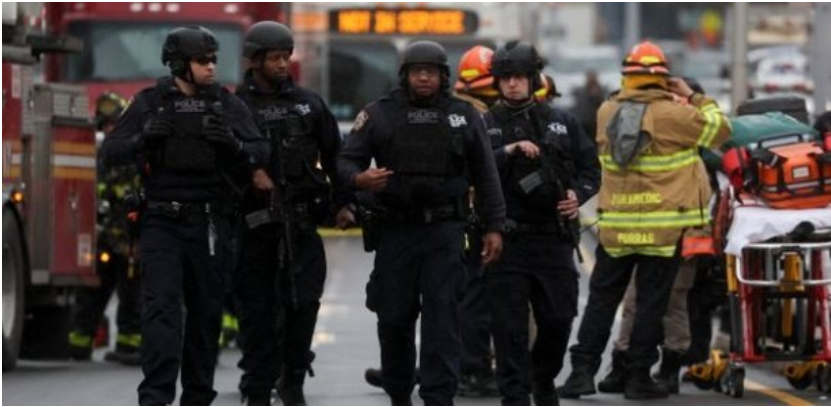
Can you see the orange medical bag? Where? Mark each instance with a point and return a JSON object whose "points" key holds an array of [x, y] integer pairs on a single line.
{"points": [[793, 176]]}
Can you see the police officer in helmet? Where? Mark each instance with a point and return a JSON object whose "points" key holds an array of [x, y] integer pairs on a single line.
{"points": [[194, 143], [548, 168], [429, 148], [302, 131]]}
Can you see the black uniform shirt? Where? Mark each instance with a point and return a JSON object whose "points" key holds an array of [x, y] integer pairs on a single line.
{"points": [[570, 137], [120, 147], [324, 129], [373, 132]]}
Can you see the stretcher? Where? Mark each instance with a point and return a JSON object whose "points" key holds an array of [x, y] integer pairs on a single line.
{"points": [[778, 272]]}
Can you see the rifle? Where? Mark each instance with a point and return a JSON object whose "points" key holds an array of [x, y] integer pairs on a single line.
{"points": [[281, 210], [557, 170]]}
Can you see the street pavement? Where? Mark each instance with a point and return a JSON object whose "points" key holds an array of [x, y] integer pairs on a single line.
{"points": [[346, 344]]}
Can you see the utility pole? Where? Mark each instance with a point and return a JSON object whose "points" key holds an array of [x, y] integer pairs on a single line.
{"points": [[632, 25], [738, 75], [820, 57]]}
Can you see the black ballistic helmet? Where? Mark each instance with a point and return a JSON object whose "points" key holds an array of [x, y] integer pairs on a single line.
{"points": [[184, 43], [517, 57], [267, 35], [425, 52]]}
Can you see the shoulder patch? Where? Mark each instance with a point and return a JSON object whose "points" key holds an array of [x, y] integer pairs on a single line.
{"points": [[360, 121]]}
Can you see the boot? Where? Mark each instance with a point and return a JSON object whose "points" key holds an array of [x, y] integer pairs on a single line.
{"points": [[257, 399], [479, 384], [126, 355], [374, 377], [545, 394], [401, 400], [671, 362], [290, 387], [579, 383], [639, 386], [615, 381]]}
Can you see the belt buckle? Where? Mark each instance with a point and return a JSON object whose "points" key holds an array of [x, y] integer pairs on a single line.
{"points": [[174, 209], [428, 216]]}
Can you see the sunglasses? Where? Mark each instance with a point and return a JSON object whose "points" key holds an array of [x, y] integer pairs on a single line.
{"points": [[205, 59]]}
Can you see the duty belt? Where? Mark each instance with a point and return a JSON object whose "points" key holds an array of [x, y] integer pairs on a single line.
{"points": [[513, 227], [184, 211], [424, 216]]}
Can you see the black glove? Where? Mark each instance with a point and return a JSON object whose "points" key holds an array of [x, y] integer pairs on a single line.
{"points": [[157, 128], [218, 133]]}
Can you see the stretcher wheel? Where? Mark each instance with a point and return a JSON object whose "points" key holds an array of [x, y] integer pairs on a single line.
{"points": [[733, 382], [824, 378], [801, 383]]}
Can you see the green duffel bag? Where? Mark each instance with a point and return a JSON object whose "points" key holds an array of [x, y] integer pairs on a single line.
{"points": [[750, 129]]}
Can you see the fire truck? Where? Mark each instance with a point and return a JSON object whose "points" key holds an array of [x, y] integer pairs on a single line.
{"points": [[123, 40], [49, 145], [48, 191]]}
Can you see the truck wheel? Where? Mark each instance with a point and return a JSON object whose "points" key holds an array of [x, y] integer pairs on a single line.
{"points": [[13, 289], [789, 105]]}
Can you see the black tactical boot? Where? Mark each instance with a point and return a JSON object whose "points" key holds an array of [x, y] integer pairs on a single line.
{"points": [[290, 387], [479, 384], [640, 386], [615, 381], [579, 383], [671, 362], [545, 394], [374, 377], [126, 355], [258, 399], [401, 400]]}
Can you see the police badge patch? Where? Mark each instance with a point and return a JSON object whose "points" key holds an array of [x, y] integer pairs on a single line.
{"points": [[360, 121]]}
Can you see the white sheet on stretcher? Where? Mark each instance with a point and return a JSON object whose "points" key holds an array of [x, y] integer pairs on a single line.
{"points": [[752, 224]]}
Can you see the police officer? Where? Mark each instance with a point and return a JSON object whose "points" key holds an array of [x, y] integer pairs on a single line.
{"points": [[116, 265], [428, 148], [533, 141], [193, 141], [301, 130]]}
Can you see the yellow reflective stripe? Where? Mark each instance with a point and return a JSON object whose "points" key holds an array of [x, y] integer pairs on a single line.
{"points": [[712, 118], [80, 340], [667, 219], [653, 163], [133, 340], [661, 251]]}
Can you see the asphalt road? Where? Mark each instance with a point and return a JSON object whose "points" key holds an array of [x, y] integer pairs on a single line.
{"points": [[346, 344]]}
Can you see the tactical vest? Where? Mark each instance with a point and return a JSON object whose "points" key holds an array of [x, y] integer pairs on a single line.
{"points": [[186, 151], [516, 128], [427, 155], [288, 125]]}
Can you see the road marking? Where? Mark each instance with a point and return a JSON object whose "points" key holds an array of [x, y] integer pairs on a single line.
{"points": [[784, 397]]}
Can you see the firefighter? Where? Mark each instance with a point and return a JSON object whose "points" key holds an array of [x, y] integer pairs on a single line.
{"points": [[428, 148], [677, 337], [655, 189], [532, 139], [301, 130], [195, 144], [116, 264]]}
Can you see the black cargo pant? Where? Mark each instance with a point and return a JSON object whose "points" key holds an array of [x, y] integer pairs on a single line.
{"points": [[475, 313], [607, 286], [177, 264], [115, 276], [277, 335], [419, 268], [539, 270]]}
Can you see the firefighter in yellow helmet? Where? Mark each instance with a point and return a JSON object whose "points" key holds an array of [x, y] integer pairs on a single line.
{"points": [[654, 189], [116, 263]]}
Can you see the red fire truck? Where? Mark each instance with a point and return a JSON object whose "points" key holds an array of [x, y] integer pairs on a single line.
{"points": [[48, 192], [123, 41]]}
